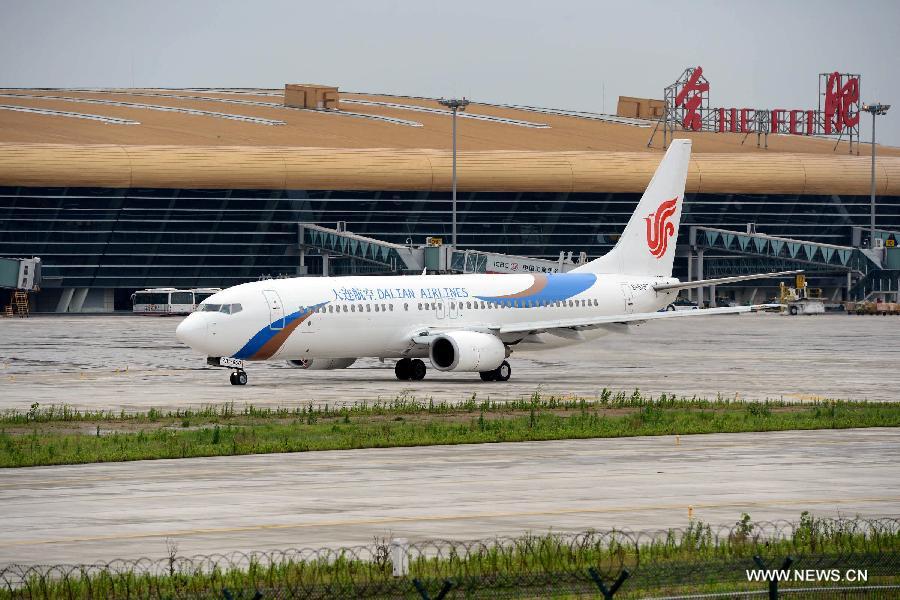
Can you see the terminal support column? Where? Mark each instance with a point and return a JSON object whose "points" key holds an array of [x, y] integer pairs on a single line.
{"points": [[690, 292], [700, 293], [65, 298]]}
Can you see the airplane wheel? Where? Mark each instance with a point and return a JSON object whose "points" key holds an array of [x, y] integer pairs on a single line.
{"points": [[240, 378], [503, 372], [670, 307], [417, 370], [403, 369], [488, 375], [232, 379]]}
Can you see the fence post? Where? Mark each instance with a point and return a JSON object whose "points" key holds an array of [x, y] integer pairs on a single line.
{"points": [[773, 582], [420, 587], [608, 593], [400, 557]]}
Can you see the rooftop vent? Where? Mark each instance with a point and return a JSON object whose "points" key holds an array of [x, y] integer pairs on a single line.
{"points": [[310, 95], [640, 108]]}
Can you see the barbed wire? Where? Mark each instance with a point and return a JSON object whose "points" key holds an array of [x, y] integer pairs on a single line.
{"points": [[655, 559]]}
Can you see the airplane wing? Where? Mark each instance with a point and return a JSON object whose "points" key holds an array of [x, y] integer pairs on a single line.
{"points": [[590, 322], [570, 327], [683, 285]]}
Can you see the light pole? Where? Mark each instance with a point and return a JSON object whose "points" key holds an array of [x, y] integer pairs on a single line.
{"points": [[875, 109], [455, 105]]}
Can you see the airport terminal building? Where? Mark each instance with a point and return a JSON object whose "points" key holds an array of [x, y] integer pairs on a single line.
{"points": [[119, 190]]}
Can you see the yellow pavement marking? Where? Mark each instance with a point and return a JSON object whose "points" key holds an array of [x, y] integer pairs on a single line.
{"points": [[436, 518]]}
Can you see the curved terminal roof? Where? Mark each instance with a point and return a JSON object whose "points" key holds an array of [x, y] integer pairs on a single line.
{"points": [[248, 139]]}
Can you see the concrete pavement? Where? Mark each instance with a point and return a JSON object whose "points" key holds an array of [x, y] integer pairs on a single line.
{"points": [[100, 512], [135, 363]]}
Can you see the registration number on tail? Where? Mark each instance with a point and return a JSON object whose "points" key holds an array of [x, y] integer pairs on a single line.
{"points": [[234, 363]]}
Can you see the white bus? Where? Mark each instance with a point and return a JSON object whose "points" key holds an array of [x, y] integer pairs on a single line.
{"points": [[201, 294], [169, 301]]}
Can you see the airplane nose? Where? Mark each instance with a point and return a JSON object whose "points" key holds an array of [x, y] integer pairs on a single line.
{"points": [[191, 332]]}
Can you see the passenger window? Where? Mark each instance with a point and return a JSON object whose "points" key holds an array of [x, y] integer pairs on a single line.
{"points": [[352, 308], [377, 308], [391, 306], [405, 306]]}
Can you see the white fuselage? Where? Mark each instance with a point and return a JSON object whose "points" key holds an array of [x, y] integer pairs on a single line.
{"points": [[344, 317]]}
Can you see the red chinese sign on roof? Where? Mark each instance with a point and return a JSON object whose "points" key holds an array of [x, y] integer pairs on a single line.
{"points": [[687, 106]]}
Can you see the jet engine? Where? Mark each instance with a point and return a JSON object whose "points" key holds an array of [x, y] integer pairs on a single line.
{"points": [[467, 351], [322, 364]]}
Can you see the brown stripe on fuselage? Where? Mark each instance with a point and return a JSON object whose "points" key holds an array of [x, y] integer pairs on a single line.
{"points": [[540, 282], [277, 340]]}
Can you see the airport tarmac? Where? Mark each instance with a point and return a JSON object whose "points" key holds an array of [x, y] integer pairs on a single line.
{"points": [[99, 512], [135, 363]]}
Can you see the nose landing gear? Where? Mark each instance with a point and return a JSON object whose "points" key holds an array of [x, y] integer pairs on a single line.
{"points": [[238, 377]]}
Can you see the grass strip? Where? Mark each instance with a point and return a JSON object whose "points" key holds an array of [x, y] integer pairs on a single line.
{"points": [[696, 559], [60, 435]]}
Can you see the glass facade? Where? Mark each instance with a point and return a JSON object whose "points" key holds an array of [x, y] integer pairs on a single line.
{"points": [[138, 238]]}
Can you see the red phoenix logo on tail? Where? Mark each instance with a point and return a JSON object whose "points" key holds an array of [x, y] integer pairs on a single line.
{"points": [[660, 228]]}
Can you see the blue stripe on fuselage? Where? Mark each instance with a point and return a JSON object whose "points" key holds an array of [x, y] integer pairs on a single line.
{"points": [[264, 335], [559, 287]]}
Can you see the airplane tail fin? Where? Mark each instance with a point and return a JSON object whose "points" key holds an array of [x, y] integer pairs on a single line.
{"points": [[647, 246]]}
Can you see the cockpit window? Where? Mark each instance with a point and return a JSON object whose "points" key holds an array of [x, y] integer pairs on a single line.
{"points": [[228, 309]]}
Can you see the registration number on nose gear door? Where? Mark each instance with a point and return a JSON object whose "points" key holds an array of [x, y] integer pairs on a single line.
{"points": [[234, 363]]}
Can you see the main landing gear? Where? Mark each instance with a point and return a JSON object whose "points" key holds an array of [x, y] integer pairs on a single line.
{"points": [[414, 369], [410, 369], [238, 377], [501, 373]]}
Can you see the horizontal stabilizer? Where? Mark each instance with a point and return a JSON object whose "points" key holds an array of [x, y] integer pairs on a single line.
{"points": [[720, 281]]}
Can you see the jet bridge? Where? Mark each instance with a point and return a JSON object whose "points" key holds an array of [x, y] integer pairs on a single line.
{"points": [[868, 271], [338, 243]]}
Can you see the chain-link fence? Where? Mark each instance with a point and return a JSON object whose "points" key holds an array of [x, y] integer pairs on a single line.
{"points": [[820, 558]]}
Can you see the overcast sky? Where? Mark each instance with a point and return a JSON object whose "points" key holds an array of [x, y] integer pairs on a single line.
{"points": [[577, 55]]}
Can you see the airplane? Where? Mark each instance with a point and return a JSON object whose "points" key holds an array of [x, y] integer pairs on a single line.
{"points": [[463, 322]]}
